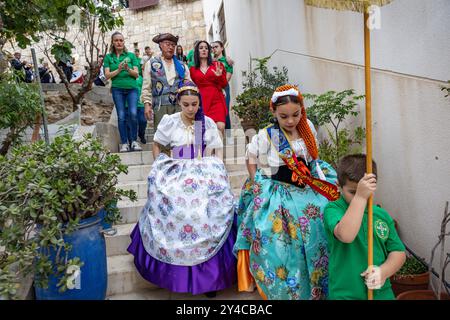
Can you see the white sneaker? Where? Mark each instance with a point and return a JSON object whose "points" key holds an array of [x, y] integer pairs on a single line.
{"points": [[135, 146], [124, 147]]}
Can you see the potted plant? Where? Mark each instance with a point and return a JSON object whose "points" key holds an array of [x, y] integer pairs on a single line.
{"points": [[413, 275], [435, 293], [50, 199], [252, 105]]}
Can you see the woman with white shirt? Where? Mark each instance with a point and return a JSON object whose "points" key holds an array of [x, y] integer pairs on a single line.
{"points": [[185, 235], [281, 244]]}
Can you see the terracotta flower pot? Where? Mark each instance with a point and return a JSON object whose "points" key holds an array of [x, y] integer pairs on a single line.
{"points": [[248, 124], [402, 283], [421, 295], [249, 128]]}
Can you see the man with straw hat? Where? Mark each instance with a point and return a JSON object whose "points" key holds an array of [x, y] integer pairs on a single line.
{"points": [[161, 79]]}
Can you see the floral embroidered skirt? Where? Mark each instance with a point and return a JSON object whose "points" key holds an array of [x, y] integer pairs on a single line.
{"points": [[281, 226], [185, 235]]}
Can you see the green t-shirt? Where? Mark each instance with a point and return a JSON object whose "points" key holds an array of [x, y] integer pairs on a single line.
{"points": [[139, 66], [348, 260], [123, 80], [190, 58], [228, 68], [139, 82]]}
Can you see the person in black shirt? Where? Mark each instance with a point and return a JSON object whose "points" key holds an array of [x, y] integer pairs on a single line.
{"points": [[46, 74], [179, 54], [66, 68], [19, 66]]}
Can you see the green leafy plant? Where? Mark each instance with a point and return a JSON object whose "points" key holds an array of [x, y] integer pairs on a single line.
{"points": [[412, 266], [51, 21], [45, 190], [19, 105], [259, 84], [333, 108]]}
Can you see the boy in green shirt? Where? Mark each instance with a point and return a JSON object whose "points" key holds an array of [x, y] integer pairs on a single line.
{"points": [[346, 229]]}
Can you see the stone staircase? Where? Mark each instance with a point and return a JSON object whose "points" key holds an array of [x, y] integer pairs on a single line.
{"points": [[124, 282]]}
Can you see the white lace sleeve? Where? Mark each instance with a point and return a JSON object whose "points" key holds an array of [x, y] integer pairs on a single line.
{"points": [[212, 136], [164, 130]]}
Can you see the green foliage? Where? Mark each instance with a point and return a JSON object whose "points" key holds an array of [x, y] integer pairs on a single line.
{"points": [[62, 49], [332, 108], [25, 21], [412, 266], [259, 85], [91, 16], [45, 190], [19, 105]]}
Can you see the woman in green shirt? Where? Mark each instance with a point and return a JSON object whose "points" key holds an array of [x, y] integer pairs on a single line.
{"points": [[122, 67]]}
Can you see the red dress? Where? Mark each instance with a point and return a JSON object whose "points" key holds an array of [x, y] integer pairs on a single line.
{"points": [[210, 87]]}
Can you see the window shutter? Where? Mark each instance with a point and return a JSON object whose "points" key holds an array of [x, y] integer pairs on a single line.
{"points": [[139, 4]]}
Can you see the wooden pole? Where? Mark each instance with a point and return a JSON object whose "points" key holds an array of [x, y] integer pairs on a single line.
{"points": [[37, 128], [368, 140]]}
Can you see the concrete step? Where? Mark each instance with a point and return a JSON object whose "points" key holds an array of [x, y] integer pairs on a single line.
{"points": [[123, 277], [135, 173], [140, 187], [143, 294], [163, 294], [237, 179], [235, 164], [130, 211], [118, 243], [136, 158]]}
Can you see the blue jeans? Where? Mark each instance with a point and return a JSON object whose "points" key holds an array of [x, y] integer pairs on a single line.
{"points": [[142, 124], [126, 116]]}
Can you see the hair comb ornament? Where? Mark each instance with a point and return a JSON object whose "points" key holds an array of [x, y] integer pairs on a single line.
{"points": [[180, 90]]}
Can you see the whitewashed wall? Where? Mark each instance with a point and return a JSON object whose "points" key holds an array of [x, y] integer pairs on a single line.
{"points": [[411, 60]]}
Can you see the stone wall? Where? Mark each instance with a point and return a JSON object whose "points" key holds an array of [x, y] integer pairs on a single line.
{"points": [[96, 107], [180, 17]]}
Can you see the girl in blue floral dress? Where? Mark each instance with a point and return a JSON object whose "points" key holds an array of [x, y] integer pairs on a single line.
{"points": [[281, 243], [185, 235]]}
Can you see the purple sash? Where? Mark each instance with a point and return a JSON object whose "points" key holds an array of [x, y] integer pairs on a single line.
{"points": [[192, 151]]}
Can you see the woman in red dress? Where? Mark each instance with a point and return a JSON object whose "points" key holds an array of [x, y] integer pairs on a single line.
{"points": [[210, 78]]}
